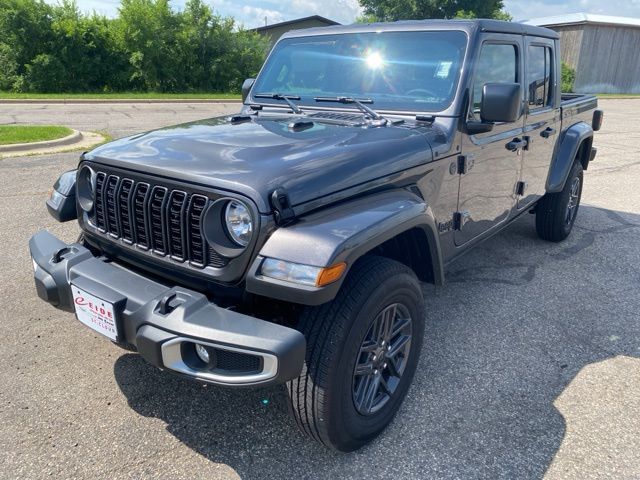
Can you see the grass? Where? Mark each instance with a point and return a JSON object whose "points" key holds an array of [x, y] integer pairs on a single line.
{"points": [[10, 134], [618, 95], [107, 138], [118, 96]]}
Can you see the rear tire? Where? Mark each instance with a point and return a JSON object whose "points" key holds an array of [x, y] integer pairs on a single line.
{"points": [[556, 212], [332, 402]]}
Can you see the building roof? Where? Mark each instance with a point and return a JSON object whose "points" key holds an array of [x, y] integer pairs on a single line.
{"points": [[580, 18], [297, 20]]}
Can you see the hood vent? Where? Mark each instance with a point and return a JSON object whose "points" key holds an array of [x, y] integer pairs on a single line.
{"points": [[339, 117]]}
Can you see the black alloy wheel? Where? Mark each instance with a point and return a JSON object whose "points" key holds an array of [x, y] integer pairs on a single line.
{"points": [[382, 359]]}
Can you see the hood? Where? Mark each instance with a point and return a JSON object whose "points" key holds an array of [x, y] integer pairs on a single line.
{"points": [[255, 157]]}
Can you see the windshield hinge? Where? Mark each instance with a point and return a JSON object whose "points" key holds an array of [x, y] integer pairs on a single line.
{"points": [[464, 164], [459, 219], [430, 119], [235, 119], [282, 211]]}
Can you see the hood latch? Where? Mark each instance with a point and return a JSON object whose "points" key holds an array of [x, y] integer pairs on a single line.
{"points": [[282, 210]]}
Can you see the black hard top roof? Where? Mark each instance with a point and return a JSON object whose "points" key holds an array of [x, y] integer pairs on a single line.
{"points": [[469, 26], [293, 22]]}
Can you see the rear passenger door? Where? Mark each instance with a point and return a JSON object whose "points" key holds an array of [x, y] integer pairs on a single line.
{"points": [[487, 189], [543, 117]]}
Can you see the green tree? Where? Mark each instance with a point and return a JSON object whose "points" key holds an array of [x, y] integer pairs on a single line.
{"points": [[392, 10], [366, 18], [25, 27], [45, 73], [238, 55], [568, 78], [196, 40], [149, 47], [88, 50], [149, 34], [8, 67]]}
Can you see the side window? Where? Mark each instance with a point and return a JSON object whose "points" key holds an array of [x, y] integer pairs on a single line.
{"points": [[539, 77], [498, 63]]}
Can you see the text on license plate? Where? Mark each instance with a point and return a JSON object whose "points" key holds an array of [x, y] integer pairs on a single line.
{"points": [[95, 313]]}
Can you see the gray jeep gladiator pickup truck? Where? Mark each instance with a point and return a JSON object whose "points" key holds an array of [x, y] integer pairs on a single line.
{"points": [[286, 244]]}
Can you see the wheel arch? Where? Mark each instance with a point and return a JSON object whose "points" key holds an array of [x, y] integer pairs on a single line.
{"points": [[408, 248], [575, 143], [394, 224]]}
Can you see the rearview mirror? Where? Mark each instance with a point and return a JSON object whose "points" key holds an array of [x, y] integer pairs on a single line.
{"points": [[501, 102], [246, 87]]}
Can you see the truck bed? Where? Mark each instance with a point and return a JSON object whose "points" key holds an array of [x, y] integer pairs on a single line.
{"points": [[577, 107]]}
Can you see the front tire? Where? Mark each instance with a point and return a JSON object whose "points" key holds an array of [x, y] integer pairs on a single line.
{"points": [[556, 212], [362, 351]]}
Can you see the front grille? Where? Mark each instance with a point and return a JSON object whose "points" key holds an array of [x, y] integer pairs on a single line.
{"points": [[166, 221]]}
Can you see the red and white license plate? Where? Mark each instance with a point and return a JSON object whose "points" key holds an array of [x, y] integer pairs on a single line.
{"points": [[95, 313]]}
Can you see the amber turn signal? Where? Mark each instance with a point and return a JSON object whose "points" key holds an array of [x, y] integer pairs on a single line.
{"points": [[330, 274]]}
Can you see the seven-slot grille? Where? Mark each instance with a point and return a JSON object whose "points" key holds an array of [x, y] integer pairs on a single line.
{"points": [[154, 217]]}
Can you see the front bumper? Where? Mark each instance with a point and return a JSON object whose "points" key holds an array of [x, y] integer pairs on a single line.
{"points": [[162, 321]]}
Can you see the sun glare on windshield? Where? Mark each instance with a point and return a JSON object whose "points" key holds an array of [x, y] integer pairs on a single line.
{"points": [[374, 60]]}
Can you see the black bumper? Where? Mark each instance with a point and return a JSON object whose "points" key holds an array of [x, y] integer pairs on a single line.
{"points": [[161, 321]]}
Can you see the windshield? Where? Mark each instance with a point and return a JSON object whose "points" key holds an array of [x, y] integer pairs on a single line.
{"points": [[406, 71]]}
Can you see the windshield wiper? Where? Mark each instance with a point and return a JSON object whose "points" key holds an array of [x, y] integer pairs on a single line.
{"points": [[360, 103], [279, 96]]}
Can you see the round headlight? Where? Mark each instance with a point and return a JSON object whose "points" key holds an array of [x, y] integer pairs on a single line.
{"points": [[238, 222], [86, 186]]}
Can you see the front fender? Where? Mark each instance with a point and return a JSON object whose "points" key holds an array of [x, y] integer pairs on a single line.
{"points": [[343, 233], [566, 154]]}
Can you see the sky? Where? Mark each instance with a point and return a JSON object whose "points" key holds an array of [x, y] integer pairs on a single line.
{"points": [[252, 13]]}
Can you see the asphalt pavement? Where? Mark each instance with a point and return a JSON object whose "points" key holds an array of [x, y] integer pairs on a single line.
{"points": [[530, 367]]}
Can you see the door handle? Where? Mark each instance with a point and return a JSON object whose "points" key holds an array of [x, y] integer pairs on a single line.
{"points": [[547, 132], [516, 144]]}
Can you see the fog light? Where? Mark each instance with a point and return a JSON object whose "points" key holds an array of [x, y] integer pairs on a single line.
{"points": [[203, 353]]}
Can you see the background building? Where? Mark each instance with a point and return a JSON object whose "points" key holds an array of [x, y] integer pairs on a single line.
{"points": [[603, 50], [275, 31]]}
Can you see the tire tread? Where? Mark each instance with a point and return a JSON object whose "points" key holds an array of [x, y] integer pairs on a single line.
{"points": [[322, 326], [550, 210]]}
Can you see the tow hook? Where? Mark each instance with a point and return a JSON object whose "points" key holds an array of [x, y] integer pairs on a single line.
{"points": [[59, 254]]}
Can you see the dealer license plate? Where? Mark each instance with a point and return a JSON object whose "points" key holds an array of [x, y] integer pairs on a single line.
{"points": [[95, 313]]}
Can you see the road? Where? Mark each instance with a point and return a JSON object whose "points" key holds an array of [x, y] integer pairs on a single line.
{"points": [[530, 368]]}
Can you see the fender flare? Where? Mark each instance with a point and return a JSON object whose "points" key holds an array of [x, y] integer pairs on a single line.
{"points": [[566, 152], [343, 233]]}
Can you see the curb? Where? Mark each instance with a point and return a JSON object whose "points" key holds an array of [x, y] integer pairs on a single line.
{"points": [[10, 101], [75, 137]]}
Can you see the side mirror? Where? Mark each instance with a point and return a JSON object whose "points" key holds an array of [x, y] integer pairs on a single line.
{"points": [[246, 87], [501, 102]]}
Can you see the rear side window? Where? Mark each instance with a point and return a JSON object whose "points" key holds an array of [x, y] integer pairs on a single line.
{"points": [[498, 63], [539, 77]]}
